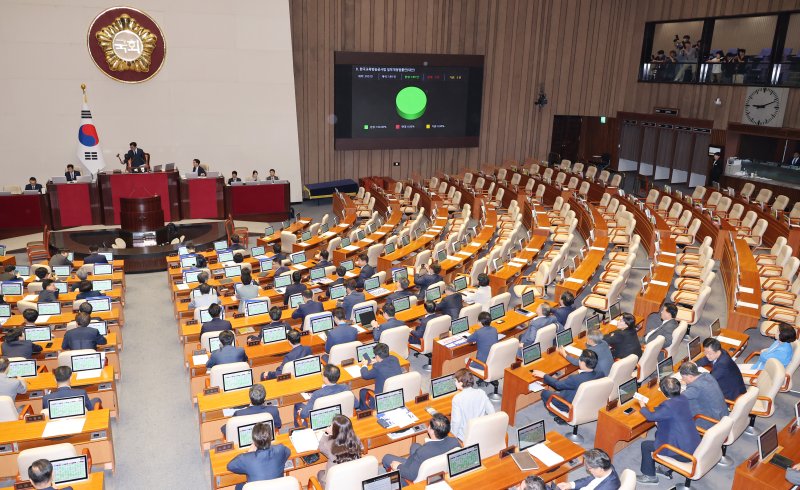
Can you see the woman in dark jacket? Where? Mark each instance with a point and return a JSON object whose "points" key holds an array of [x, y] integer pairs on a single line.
{"points": [[624, 341]]}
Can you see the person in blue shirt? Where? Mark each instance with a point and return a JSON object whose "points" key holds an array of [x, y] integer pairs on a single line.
{"points": [[781, 349], [341, 333], [381, 368], [330, 378], [402, 291], [485, 337], [566, 388], [86, 291], [40, 473], [391, 322], [266, 462], [544, 318], [416, 335], [94, 257], [298, 352], [352, 298], [566, 306], [308, 306], [258, 395], [227, 353], [366, 271]]}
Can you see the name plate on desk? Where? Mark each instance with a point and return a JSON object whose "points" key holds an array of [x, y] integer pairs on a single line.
{"points": [[211, 391], [515, 365], [363, 414], [221, 448], [348, 362], [34, 418], [23, 485], [284, 377], [422, 398]]}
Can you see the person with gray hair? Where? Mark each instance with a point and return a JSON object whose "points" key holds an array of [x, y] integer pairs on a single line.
{"points": [[594, 342], [704, 394], [10, 387], [532, 482], [544, 317], [602, 475]]}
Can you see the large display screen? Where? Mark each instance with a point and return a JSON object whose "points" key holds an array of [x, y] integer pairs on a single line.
{"points": [[396, 100]]}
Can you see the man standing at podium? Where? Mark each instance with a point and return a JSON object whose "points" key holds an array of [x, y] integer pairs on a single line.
{"points": [[134, 159], [71, 174]]}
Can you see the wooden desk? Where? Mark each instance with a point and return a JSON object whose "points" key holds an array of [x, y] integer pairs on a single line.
{"points": [[74, 204], [203, 197], [95, 482], [767, 476], [258, 201], [650, 301], [265, 241], [7, 260], [103, 387], [386, 262], [616, 430], [162, 184], [744, 306], [590, 220]]}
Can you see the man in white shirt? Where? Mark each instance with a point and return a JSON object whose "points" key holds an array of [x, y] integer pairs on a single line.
{"points": [[482, 295], [602, 475], [206, 297], [10, 387], [469, 403]]}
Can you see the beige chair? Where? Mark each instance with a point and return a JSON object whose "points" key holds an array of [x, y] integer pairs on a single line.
{"points": [[216, 373], [346, 399], [780, 203], [432, 466], [397, 340], [604, 302], [23, 305], [589, 399], [65, 357], [627, 480], [342, 352], [233, 424], [489, 432], [8, 410], [747, 190], [576, 321], [591, 172], [648, 363], [501, 355], [56, 451], [756, 235], [287, 240], [347, 476], [740, 411], [435, 329], [284, 483], [621, 371], [410, 382], [546, 336], [504, 298], [769, 382], [692, 315], [763, 196], [704, 458]]}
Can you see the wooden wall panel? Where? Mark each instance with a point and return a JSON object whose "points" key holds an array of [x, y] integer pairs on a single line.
{"points": [[584, 52]]}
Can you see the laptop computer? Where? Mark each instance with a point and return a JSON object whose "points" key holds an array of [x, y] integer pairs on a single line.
{"points": [[24, 369], [460, 283], [387, 481], [665, 368], [306, 366], [527, 437], [443, 385], [237, 380], [86, 362], [337, 291], [364, 316], [273, 334], [768, 448], [11, 288], [463, 461], [100, 304], [627, 390], [695, 348]]}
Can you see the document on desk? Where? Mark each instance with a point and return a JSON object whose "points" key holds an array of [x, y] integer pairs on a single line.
{"points": [[454, 258], [183, 287], [745, 290], [572, 279], [351, 248], [379, 291], [475, 244], [747, 369], [545, 454], [600, 249], [399, 435], [306, 396], [639, 397], [89, 374], [531, 249], [199, 359], [743, 304], [368, 241], [304, 441], [728, 340], [399, 417], [453, 341], [536, 387], [328, 234], [354, 370], [63, 427], [325, 280], [442, 485], [571, 349], [300, 267], [42, 319], [228, 412], [658, 283], [464, 254]]}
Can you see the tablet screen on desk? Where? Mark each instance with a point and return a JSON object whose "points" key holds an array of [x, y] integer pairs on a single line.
{"points": [[399, 274], [99, 304], [768, 442], [321, 323], [401, 304], [364, 316], [459, 325], [464, 460], [298, 257], [237, 380], [389, 249], [347, 264], [283, 280], [106, 269], [306, 236], [365, 350], [100, 326], [11, 288], [86, 362], [224, 256], [258, 307], [23, 369], [323, 417], [497, 311], [62, 270], [390, 400], [190, 261], [295, 300], [105, 284], [344, 243], [256, 251], [38, 334], [372, 283], [665, 368], [338, 291], [317, 273], [615, 310], [220, 245], [531, 435], [627, 390], [531, 353], [564, 338], [460, 284], [593, 322], [387, 481], [48, 308], [306, 366], [695, 348], [69, 470], [527, 298], [233, 271], [273, 334], [74, 406], [5, 311], [443, 385]]}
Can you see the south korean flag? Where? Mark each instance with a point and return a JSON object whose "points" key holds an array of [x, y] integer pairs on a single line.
{"points": [[89, 152]]}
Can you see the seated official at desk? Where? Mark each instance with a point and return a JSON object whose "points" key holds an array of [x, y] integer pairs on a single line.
{"points": [[723, 369], [40, 474], [216, 324], [265, 462], [391, 322], [668, 325], [298, 351], [340, 273], [437, 443], [381, 368], [602, 475], [258, 395], [674, 426], [566, 305], [277, 255], [71, 174], [567, 387], [366, 271], [402, 291], [10, 387], [624, 341], [485, 337], [207, 296], [272, 177], [227, 353], [704, 395], [32, 185], [49, 293], [330, 378], [9, 273], [544, 317], [352, 297], [341, 333], [85, 291], [339, 444], [596, 344], [322, 259], [451, 303], [780, 349], [30, 316], [275, 314], [83, 336], [236, 242], [296, 287], [64, 390], [483, 294], [469, 403], [61, 258], [416, 335], [197, 168], [94, 257], [13, 346], [425, 276], [308, 306], [254, 176], [246, 290], [234, 177]]}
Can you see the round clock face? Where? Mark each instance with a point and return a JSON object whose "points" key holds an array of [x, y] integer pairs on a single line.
{"points": [[762, 106]]}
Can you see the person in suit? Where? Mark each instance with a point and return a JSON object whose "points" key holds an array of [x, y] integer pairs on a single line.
{"points": [[322, 259], [352, 298], [258, 395], [308, 306], [9, 273], [438, 442], [14, 347], [10, 387], [674, 426], [197, 168], [793, 474], [391, 322], [296, 287], [330, 386], [298, 351], [452, 302], [94, 257], [668, 325], [266, 462], [602, 475], [717, 167], [216, 324], [234, 177], [469, 403], [341, 333], [532, 482], [402, 291], [567, 387], [206, 297], [236, 242], [49, 292], [71, 174], [485, 337], [246, 290], [339, 444], [566, 306], [275, 314], [425, 277], [483, 294], [780, 349], [32, 185], [85, 291], [135, 159], [227, 353], [40, 474], [795, 160], [544, 317], [254, 176], [704, 394], [381, 368], [340, 273], [61, 258], [63, 389], [596, 344], [272, 177], [83, 336], [416, 335], [366, 271], [624, 341], [723, 369]]}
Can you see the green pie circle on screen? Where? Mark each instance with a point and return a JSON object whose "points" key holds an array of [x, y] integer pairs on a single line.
{"points": [[411, 103]]}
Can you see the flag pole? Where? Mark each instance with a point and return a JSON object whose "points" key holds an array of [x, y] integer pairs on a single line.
{"points": [[83, 88]]}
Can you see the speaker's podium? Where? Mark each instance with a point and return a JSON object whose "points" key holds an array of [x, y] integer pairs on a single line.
{"points": [[142, 221]]}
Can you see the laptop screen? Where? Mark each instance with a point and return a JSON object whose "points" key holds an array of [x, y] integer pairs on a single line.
{"points": [[73, 406], [317, 273], [70, 470], [347, 264], [273, 334], [190, 261], [61, 287], [233, 271], [323, 417], [372, 283], [245, 432], [295, 300], [105, 269], [406, 240], [38, 334], [592, 322], [360, 235], [365, 350], [48, 308], [237, 380], [695, 348], [531, 353], [2, 249], [5, 311], [627, 390], [86, 362], [11, 288], [665, 368], [460, 283], [269, 231], [182, 250], [389, 249], [283, 280], [338, 291], [615, 310], [401, 304], [399, 274], [564, 338], [459, 325], [443, 385], [253, 308], [324, 228], [100, 325], [265, 264], [344, 243], [463, 460], [108, 255], [220, 245], [256, 251], [23, 369], [100, 304], [390, 400], [364, 316], [24, 270], [432, 294], [527, 298], [768, 442], [62, 270], [306, 236], [306, 366], [497, 311], [531, 435], [441, 255], [322, 323], [387, 481], [716, 328], [105, 284], [298, 258], [224, 256]]}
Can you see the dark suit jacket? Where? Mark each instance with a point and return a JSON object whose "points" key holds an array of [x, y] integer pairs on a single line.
{"points": [[401, 293], [340, 334], [561, 313], [199, 170], [567, 387], [226, 355], [624, 343], [83, 338], [674, 425], [419, 454], [297, 352], [46, 296], [72, 175], [422, 282], [664, 329], [232, 180], [390, 323], [20, 348], [293, 289], [610, 483], [324, 391], [37, 187], [215, 325], [381, 371], [727, 374], [323, 263], [136, 158], [365, 273], [89, 294], [8, 276], [95, 258], [451, 305], [485, 337], [338, 280], [604, 358], [419, 332], [66, 392], [529, 336], [264, 464], [307, 309], [351, 300]]}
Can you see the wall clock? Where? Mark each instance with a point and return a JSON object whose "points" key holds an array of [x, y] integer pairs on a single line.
{"points": [[765, 106]]}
